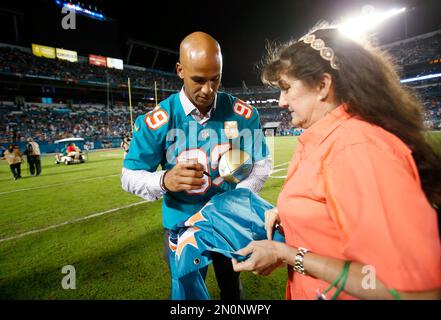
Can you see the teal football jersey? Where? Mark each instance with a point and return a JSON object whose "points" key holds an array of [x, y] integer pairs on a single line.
{"points": [[166, 136]]}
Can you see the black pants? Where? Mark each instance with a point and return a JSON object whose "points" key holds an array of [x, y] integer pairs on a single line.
{"points": [[16, 170], [34, 164], [228, 280]]}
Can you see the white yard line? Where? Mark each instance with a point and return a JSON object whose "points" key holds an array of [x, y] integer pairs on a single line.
{"points": [[277, 177], [278, 170], [58, 184], [282, 164], [71, 221]]}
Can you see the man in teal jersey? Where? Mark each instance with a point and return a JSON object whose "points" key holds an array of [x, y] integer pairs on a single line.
{"points": [[186, 134]]}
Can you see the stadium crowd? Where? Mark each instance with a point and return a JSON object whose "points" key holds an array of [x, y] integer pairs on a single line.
{"points": [[430, 95], [51, 124], [97, 122], [15, 61], [417, 51]]}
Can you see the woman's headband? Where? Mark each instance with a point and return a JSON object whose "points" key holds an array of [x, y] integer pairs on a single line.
{"points": [[325, 52]]}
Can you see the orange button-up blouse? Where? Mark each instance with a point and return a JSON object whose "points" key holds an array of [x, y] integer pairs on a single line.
{"points": [[353, 193]]}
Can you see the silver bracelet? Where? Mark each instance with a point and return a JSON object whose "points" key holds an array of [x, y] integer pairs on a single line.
{"points": [[298, 260]]}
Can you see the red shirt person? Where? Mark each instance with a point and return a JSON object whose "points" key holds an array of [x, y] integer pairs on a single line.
{"points": [[70, 148]]}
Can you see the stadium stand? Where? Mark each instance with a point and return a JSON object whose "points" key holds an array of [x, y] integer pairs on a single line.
{"points": [[19, 61], [92, 122], [102, 120], [416, 49]]}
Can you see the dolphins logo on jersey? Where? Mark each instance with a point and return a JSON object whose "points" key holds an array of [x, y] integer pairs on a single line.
{"points": [[188, 237]]}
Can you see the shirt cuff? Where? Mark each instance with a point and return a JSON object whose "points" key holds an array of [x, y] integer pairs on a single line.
{"points": [[258, 176], [142, 183], [153, 183]]}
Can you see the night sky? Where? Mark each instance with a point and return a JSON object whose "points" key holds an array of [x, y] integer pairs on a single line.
{"points": [[241, 27]]}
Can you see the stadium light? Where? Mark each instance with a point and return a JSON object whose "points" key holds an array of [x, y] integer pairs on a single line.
{"points": [[429, 76], [356, 26], [80, 10]]}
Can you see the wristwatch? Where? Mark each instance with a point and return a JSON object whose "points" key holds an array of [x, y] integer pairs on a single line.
{"points": [[298, 261], [162, 184]]}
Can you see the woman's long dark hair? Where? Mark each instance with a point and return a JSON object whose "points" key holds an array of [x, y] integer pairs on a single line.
{"points": [[369, 84]]}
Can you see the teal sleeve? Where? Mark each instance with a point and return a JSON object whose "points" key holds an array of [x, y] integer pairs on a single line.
{"points": [[146, 147]]}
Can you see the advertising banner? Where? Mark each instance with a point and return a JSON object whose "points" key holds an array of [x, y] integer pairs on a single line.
{"points": [[43, 51], [97, 60], [115, 63], [68, 55]]}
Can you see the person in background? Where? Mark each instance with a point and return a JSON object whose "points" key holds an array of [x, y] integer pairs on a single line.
{"points": [[72, 151], [14, 158], [33, 155], [125, 144]]}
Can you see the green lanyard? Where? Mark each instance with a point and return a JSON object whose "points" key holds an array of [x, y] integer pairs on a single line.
{"points": [[343, 275], [395, 294]]}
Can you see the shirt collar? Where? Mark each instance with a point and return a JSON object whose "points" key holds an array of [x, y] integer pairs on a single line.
{"points": [[190, 108], [320, 130]]}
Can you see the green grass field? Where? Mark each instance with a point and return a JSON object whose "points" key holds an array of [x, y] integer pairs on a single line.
{"points": [[116, 254]]}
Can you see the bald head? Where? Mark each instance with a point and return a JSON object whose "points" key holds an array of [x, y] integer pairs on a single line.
{"points": [[200, 66], [199, 47]]}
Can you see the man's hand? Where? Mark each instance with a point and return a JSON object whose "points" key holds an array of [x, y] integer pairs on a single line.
{"points": [[184, 176]]}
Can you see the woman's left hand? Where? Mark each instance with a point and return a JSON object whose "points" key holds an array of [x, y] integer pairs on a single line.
{"points": [[265, 257]]}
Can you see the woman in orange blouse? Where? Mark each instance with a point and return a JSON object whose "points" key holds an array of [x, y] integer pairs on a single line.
{"points": [[363, 182]]}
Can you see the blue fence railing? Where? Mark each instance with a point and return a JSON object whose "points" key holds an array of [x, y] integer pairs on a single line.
{"points": [[50, 147]]}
